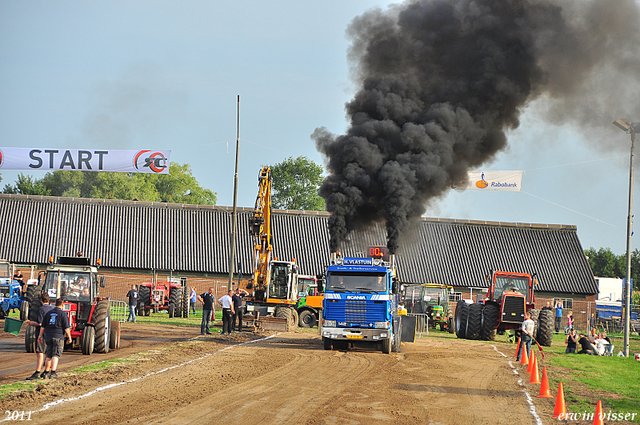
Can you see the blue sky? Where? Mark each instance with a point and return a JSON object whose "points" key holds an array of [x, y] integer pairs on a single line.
{"points": [[165, 75]]}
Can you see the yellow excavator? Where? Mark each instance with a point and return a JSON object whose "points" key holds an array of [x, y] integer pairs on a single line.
{"points": [[272, 290]]}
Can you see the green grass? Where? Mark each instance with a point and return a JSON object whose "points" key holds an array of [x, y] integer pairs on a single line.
{"points": [[99, 366], [8, 389], [163, 319]]}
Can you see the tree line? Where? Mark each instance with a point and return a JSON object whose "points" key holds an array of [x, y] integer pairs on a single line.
{"points": [[604, 263]]}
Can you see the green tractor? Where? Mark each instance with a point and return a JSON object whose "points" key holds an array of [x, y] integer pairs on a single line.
{"points": [[432, 300]]}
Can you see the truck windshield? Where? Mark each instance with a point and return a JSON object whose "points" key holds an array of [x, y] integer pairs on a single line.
{"points": [[361, 282], [72, 286], [511, 284], [306, 287], [280, 278]]}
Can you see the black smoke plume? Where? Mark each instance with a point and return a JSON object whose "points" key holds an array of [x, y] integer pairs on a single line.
{"points": [[441, 81]]}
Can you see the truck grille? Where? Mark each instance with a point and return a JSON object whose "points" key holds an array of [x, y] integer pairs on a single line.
{"points": [[356, 312], [5, 291], [513, 309]]}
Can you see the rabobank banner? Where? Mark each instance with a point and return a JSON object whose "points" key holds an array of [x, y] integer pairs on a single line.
{"points": [[49, 159], [494, 180]]}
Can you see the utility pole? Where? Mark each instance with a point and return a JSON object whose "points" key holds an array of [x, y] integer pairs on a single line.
{"points": [[235, 203]]}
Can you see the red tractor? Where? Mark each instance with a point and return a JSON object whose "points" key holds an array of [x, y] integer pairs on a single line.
{"points": [[76, 281], [172, 296], [509, 296]]}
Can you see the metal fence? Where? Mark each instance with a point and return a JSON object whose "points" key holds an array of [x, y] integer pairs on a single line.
{"points": [[422, 323], [119, 310]]}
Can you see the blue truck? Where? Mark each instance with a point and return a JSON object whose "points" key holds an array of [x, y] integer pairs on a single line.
{"points": [[360, 306]]}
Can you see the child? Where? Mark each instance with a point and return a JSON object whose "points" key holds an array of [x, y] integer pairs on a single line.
{"points": [[569, 322]]}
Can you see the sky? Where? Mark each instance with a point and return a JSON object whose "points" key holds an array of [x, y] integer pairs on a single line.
{"points": [[166, 75]]}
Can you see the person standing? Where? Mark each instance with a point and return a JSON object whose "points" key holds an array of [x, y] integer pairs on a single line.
{"points": [[193, 297], [236, 324], [226, 301], [558, 316], [207, 311], [55, 329], [134, 297], [571, 341], [569, 322], [41, 347], [527, 332]]}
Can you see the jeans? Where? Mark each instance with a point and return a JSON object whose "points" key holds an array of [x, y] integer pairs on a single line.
{"points": [[193, 307], [227, 320], [558, 323], [525, 341], [132, 314], [206, 320], [236, 323]]}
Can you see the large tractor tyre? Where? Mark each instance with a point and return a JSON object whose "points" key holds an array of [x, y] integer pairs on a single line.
{"points": [[34, 306], [24, 310], [102, 323], [545, 328], [185, 302], [172, 310], [451, 327], [474, 321], [534, 314], [145, 299], [327, 343], [287, 313], [30, 339], [175, 298], [33, 292], [114, 338], [88, 340], [462, 312], [489, 322], [386, 345], [296, 319], [307, 319]]}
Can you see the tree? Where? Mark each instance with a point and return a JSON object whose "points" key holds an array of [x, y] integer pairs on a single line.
{"points": [[295, 185], [605, 263], [179, 186]]}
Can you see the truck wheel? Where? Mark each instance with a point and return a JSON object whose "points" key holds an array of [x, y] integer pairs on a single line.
{"points": [[30, 339], [474, 321], [327, 343], [114, 338], [296, 319], [545, 328], [24, 310], [286, 313], [172, 310], [451, 326], [307, 319], [386, 345], [88, 340], [102, 321], [185, 302], [489, 322], [462, 312], [175, 298]]}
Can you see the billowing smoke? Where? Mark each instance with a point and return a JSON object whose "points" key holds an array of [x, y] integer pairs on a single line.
{"points": [[440, 81]]}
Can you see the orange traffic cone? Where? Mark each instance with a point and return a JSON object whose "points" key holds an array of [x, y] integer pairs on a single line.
{"points": [[517, 348], [524, 358], [598, 419], [545, 391], [532, 360], [535, 378], [560, 408]]}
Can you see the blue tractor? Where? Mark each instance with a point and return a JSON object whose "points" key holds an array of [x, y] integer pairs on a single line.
{"points": [[11, 297]]}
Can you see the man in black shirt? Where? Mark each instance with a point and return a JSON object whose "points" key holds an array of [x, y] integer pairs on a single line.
{"points": [[133, 303], [55, 325], [237, 308], [207, 311], [40, 345], [587, 346]]}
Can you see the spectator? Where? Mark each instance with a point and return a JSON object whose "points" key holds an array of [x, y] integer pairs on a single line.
{"points": [[41, 346], [569, 322], [193, 297], [208, 312], [227, 312], [571, 341], [605, 337], [592, 321], [527, 333], [586, 345], [600, 344], [237, 306], [548, 306], [17, 276], [593, 335], [558, 316], [134, 297], [55, 325]]}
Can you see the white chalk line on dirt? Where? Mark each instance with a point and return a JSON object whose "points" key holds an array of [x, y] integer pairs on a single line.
{"points": [[532, 407], [117, 384]]}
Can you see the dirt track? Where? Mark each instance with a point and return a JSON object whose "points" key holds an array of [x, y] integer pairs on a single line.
{"points": [[289, 378]]}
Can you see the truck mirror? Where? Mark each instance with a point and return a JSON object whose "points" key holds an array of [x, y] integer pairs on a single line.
{"points": [[102, 282], [394, 287]]}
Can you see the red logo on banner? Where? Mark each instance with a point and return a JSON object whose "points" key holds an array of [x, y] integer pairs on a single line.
{"points": [[155, 161], [0, 158]]}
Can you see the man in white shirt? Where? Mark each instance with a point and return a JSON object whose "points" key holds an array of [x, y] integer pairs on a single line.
{"points": [[527, 335], [600, 344], [227, 312]]}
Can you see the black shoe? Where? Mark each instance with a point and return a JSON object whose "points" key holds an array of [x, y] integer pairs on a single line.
{"points": [[53, 375], [44, 375], [36, 375], [209, 333]]}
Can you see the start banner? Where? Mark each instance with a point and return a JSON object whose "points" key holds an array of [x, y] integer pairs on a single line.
{"points": [[494, 180], [120, 161]]}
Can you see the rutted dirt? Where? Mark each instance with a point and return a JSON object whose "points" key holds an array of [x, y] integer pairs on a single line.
{"points": [[285, 378]]}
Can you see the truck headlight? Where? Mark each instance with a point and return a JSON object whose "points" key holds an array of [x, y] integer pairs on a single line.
{"points": [[329, 323], [381, 325]]}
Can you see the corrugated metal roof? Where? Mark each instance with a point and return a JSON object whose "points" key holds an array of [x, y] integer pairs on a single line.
{"points": [[193, 238]]}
